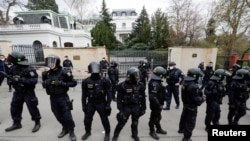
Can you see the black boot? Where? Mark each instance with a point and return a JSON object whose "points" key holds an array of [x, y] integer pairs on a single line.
{"points": [[36, 127], [136, 138], [161, 131], [15, 125], [114, 138], [106, 138], [63, 133], [72, 136], [154, 135], [86, 135]]}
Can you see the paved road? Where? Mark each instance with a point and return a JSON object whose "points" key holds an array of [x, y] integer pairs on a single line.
{"points": [[50, 127]]}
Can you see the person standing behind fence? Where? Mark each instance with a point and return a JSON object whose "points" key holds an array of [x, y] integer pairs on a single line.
{"points": [[208, 72], [113, 74], [67, 64], [104, 66], [5, 67]]}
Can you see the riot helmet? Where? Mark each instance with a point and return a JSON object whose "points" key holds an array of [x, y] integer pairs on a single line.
{"points": [[158, 73], [94, 67], [193, 74], [171, 63], [133, 74], [113, 63], [246, 67], [219, 74], [17, 58], [52, 61], [235, 67], [242, 74]]}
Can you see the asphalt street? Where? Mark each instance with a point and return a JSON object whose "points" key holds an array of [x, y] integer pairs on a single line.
{"points": [[50, 127]]}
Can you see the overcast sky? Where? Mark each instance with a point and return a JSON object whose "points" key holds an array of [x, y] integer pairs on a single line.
{"points": [[150, 5]]}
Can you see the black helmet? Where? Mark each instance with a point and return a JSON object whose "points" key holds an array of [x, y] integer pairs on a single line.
{"points": [[52, 61], [113, 63], [236, 67], [17, 58], [158, 73], [219, 74], [246, 67], [193, 74], [133, 74], [242, 74], [94, 67], [171, 64]]}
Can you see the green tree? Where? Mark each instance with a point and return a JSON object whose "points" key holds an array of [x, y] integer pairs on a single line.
{"points": [[103, 33], [141, 31], [42, 5], [210, 31], [160, 30]]}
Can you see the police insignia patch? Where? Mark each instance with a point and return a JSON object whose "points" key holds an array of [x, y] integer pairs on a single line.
{"points": [[32, 73]]}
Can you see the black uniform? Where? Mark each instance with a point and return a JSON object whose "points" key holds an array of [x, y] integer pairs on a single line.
{"points": [[208, 72], [157, 95], [113, 74], [191, 98], [173, 76], [237, 95], [130, 102], [214, 91], [104, 66], [143, 74], [96, 96], [24, 80], [57, 82]]}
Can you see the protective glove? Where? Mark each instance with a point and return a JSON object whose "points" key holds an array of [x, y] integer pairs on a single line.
{"points": [[84, 109], [46, 83], [108, 110], [60, 83], [142, 112]]}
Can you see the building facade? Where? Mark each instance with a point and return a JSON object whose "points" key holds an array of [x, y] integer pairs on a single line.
{"points": [[46, 28]]}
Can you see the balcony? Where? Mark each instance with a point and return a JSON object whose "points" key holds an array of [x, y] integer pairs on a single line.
{"points": [[39, 27]]}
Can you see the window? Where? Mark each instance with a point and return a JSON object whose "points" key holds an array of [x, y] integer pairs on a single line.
{"points": [[123, 25], [124, 14], [114, 14]]}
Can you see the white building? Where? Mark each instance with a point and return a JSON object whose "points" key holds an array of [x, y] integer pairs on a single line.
{"points": [[46, 28], [123, 20]]}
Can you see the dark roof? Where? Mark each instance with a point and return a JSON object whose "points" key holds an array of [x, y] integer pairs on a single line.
{"points": [[129, 12]]}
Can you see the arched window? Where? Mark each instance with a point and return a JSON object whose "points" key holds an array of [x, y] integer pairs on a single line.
{"points": [[54, 44], [114, 14], [18, 20], [68, 44], [37, 43]]}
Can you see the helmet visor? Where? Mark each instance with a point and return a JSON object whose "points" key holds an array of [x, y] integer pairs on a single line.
{"points": [[51, 62]]}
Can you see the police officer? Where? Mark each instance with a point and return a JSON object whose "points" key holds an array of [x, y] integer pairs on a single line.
{"points": [[96, 96], [237, 96], [24, 80], [208, 72], [248, 83], [215, 90], [131, 101], [157, 93], [174, 78], [57, 81], [104, 66], [113, 74], [233, 70], [191, 98], [143, 69]]}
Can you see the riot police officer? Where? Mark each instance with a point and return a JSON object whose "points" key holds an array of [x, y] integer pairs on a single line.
{"points": [[174, 78], [157, 93], [57, 81], [237, 96], [208, 72], [23, 79], [131, 101], [191, 98], [235, 67], [215, 91], [96, 96], [113, 74], [143, 71]]}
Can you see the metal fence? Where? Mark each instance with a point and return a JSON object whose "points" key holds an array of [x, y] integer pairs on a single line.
{"points": [[127, 59], [34, 53]]}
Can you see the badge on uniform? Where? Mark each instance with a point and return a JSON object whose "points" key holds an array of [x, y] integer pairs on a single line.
{"points": [[32, 74]]}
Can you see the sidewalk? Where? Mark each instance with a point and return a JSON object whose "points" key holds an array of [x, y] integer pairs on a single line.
{"points": [[50, 127]]}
